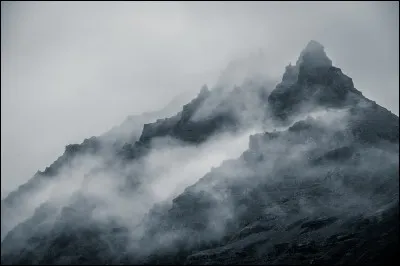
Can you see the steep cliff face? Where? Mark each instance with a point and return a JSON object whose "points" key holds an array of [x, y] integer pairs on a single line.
{"points": [[323, 188]]}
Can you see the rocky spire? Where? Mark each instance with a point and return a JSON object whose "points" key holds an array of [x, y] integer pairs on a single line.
{"points": [[313, 55], [311, 83]]}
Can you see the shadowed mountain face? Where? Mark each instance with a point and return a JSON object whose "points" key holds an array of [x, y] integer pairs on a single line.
{"points": [[312, 83], [317, 185]]}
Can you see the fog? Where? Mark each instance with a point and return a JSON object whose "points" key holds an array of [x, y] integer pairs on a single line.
{"points": [[163, 174], [172, 167], [72, 70], [195, 178]]}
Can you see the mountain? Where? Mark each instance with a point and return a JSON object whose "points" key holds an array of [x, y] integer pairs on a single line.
{"points": [[14, 209], [317, 185]]}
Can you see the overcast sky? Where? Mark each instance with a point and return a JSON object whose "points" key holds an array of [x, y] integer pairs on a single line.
{"points": [[71, 70]]}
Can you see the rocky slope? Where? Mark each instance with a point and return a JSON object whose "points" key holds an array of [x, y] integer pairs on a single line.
{"points": [[103, 146], [323, 188]]}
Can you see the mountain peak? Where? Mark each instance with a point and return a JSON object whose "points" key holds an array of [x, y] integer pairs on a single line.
{"points": [[314, 46], [313, 55], [313, 82]]}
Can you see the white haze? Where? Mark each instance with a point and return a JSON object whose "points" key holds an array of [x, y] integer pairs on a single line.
{"points": [[166, 172], [71, 70], [172, 166], [343, 199]]}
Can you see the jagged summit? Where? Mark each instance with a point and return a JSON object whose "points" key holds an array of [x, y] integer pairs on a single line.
{"points": [[314, 45], [313, 55], [312, 83]]}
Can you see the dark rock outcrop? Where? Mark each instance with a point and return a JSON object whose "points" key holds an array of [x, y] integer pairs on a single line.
{"points": [[312, 83]]}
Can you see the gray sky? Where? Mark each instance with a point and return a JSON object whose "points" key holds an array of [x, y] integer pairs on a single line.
{"points": [[71, 70]]}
